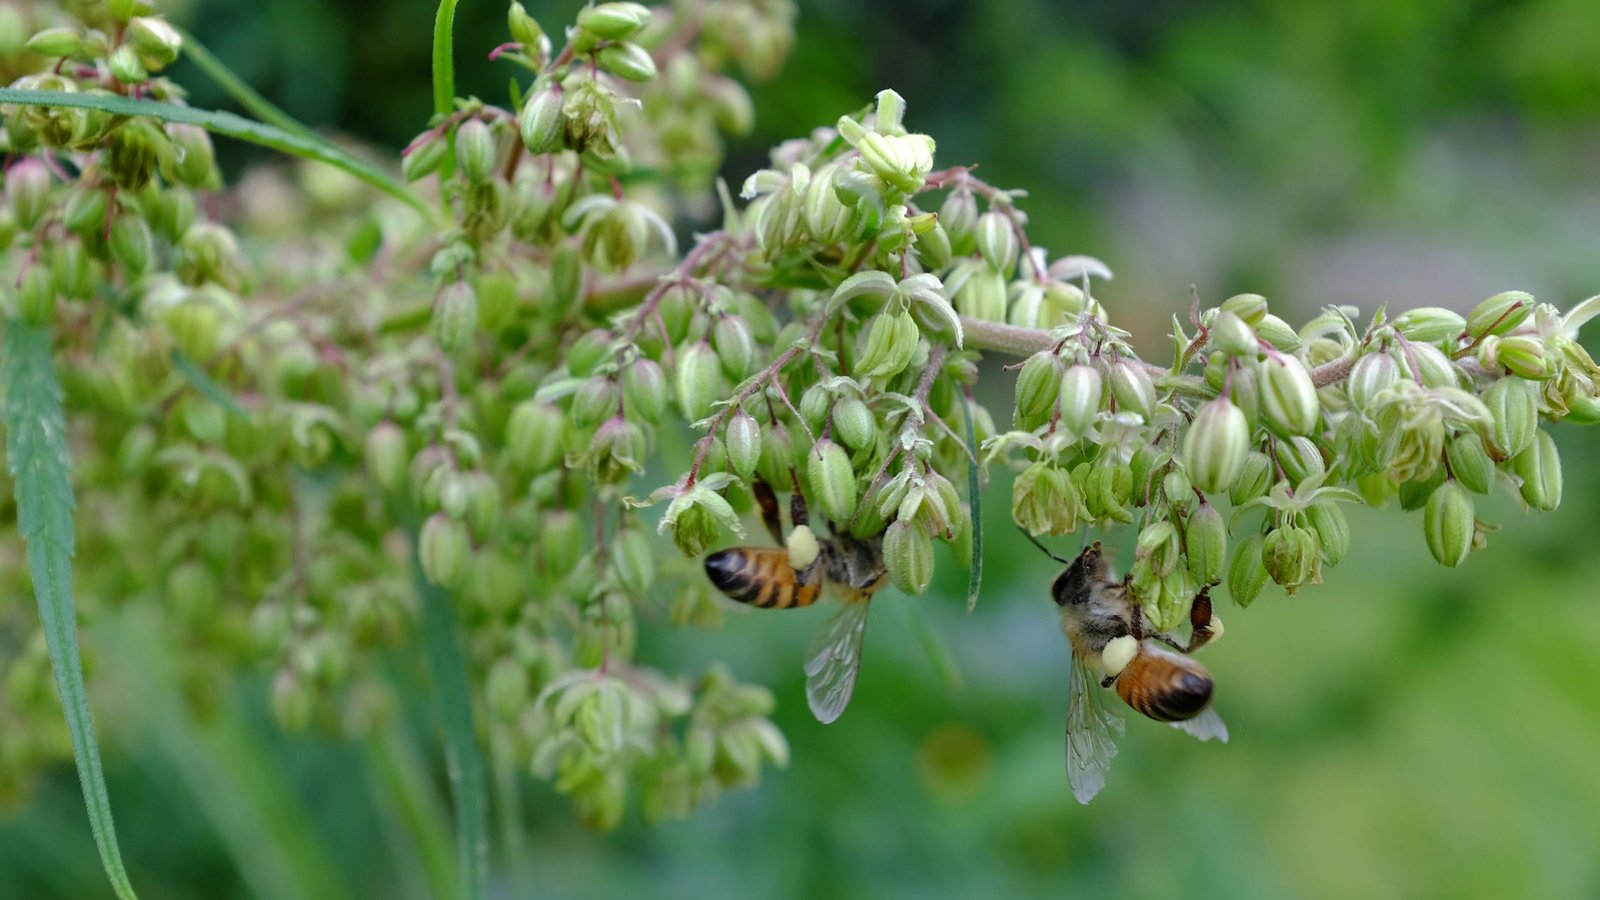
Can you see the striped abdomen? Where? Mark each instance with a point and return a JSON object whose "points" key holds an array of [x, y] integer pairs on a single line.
{"points": [[1165, 686], [762, 576]]}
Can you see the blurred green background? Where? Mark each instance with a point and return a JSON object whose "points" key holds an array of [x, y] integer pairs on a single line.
{"points": [[1403, 730]]}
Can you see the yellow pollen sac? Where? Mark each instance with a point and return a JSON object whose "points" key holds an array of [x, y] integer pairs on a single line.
{"points": [[803, 547], [1216, 627], [1118, 653]]}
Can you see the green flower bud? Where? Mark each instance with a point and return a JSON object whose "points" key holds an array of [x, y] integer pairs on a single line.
{"points": [[524, 28], [814, 404], [533, 435], [126, 66], [997, 242], [541, 121], [1231, 335], [1521, 355], [1132, 388], [595, 401], [908, 555], [735, 346], [485, 507], [1432, 367], [644, 390], [832, 480], [56, 42], [1300, 458], [959, 216], [853, 423], [978, 292], [1158, 545], [386, 455], [85, 214], [131, 244], [699, 380], [1044, 500], [1499, 314], [1277, 332], [1215, 448], [1247, 575], [1250, 308], [194, 159], [1414, 494], [1290, 556], [172, 213], [1178, 489], [1038, 387], [1372, 374], [731, 107], [444, 550], [1430, 324], [1470, 462], [902, 161], [36, 295], [27, 186], [1514, 413], [616, 452], [891, 345], [1539, 467], [742, 436], [1288, 398], [455, 316], [617, 239], [1333, 531], [1448, 522], [158, 43], [588, 351], [614, 21], [778, 458], [627, 60], [1205, 538], [632, 560], [1255, 479], [1081, 388], [933, 248], [475, 150], [560, 542], [71, 267]]}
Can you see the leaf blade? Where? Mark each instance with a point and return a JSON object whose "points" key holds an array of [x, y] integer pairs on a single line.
{"points": [[36, 453]]}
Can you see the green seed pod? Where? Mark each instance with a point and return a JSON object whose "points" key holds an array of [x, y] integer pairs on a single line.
{"points": [[1205, 538], [85, 214], [908, 555], [1432, 367], [158, 42], [1514, 413], [455, 316], [1038, 387], [1215, 448], [1470, 462], [1430, 324], [27, 187], [71, 267], [386, 455], [933, 248], [1500, 314], [1132, 388], [699, 381], [731, 107], [1415, 492], [1255, 479], [832, 480], [959, 216], [533, 435], [595, 401], [194, 160], [1333, 531], [1081, 390], [1448, 522], [814, 405], [560, 542], [1247, 575], [853, 423], [1142, 468], [1232, 336], [36, 295], [131, 244], [56, 42], [588, 351], [644, 390], [444, 551], [1290, 556], [627, 60], [997, 242], [1288, 398], [827, 218], [1523, 356], [742, 436], [1539, 467], [475, 150], [735, 346], [424, 159], [1372, 374], [485, 507], [614, 21], [1278, 333], [778, 458], [541, 122], [1250, 308], [1178, 489], [1299, 458]]}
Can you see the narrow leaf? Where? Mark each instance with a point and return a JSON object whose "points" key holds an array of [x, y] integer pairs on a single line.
{"points": [[444, 75], [462, 758], [228, 125], [36, 451], [203, 383], [974, 495]]}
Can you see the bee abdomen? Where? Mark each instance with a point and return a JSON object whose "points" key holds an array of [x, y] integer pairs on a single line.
{"points": [[1164, 690], [760, 576]]}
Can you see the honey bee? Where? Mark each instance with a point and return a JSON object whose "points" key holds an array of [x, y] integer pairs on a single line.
{"points": [[1113, 646], [794, 575]]}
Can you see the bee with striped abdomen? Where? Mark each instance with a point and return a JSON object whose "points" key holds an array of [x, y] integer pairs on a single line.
{"points": [[1112, 645], [794, 575]]}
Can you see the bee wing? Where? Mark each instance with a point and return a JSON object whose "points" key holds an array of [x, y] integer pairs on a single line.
{"points": [[1092, 732], [1208, 726], [833, 660]]}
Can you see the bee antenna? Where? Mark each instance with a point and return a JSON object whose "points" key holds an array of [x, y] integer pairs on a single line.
{"points": [[1042, 547]]}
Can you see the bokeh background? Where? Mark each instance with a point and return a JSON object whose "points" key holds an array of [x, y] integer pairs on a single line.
{"points": [[1403, 730]]}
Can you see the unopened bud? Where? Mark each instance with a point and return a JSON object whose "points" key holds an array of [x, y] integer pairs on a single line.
{"points": [[1499, 314], [1247, 574], [1521, 355], [699, 380], [455, 315], [36, 295], [902, 161], [1278, 333], [524, 28], [614, 21], [644, 390], [1038, 387], [125, 65], [832, 480], [533, 435], [157, 41], [1448, 522], [56, 42], [131, 243], [1539, 467], [1300, 458], [386, 455], [1044, 500], [1288, 398], [541, 121], [1470, 462], [27, 186], [908, 555], [778, 458], [1132, 388], [506, 690], [85, 214], [1255, 479], [981, 294], [890, 346], [1080, 398], [632, 560], [475, 150], [743, 440], [1333, 530], [1158, 545], [1431, 366], [1250, 308], [959, 216], [1215, 448], [735, 346], [1290, 556], [1430, 324], [1205, 538], [444, 549], [595, 401], [997, 242], [1231, 335], [1372, 374], [627, 60], [1514, 415], [853, 423]]}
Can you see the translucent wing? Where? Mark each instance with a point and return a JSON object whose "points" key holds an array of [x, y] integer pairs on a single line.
{"points": [[1208, 726], [1092, 732], [833, 660]]}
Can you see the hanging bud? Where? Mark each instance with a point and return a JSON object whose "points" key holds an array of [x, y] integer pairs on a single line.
{"points": [[853, 423], [455, 316], [1288, 398], [891, 344], [1205, 538], [1539, 467], [908, 555], [541, 121], [1514, 416], [1430, 324], [644, 390], [832, 480], [743, 439], [1215, 448], [997, 242], [978, 292], [1044, 500], [126, 67], [1247, 575], [627, 60], [595, 401], [959, 216], [56, 42], [386, 455], [157, 41], [27, 186], [194, 159], [778, 458], [1448, 521], [533, 435], [1250, 308], [1132, 388], [1290, 556], [36, 295], [1500, 314], [1333, 531], [1158, 546], [85, 214], [1300, 458], [1179, 490], [131, 244], [1278, 333], [524, 28], [1038, 387], [1470, 462], [1372, 374], [1255, 479], [699, 380], [444, 549], [735, 346], [632, 560], [902, 161], [1521, 355], [1080, 399], [475, 150], [1231, 335], [1432, 368], [614, 21]]}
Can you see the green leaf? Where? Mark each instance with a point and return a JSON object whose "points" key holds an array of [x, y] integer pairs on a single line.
{"points": [[228, 125], [974, 495], [36, 451], [444, 76], [463, 760], [241, 92], [203, 383]]}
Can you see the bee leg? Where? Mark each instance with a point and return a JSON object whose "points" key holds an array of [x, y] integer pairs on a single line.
{"points": [[1108, 681], [1200, 625], [798, 513], [768, 501]]}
